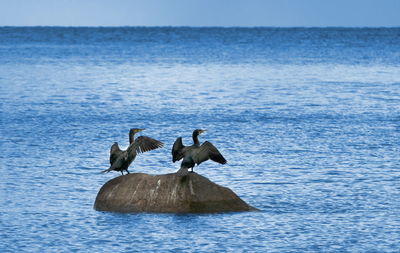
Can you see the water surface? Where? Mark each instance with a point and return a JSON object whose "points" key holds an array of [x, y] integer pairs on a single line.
{"points": [[308, 120]]}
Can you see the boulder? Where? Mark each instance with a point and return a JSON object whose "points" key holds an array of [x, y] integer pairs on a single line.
{"points": [[169, 193]]}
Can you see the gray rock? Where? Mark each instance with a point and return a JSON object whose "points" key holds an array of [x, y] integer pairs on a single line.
{"points": [[169, 193]]}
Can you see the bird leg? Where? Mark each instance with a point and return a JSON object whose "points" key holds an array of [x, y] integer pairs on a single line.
{"points": [[191, 170], [122, 172], [127, 171]]}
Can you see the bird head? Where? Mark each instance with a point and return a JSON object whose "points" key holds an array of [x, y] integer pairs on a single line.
{"points": [[136, 130], [199, 131]]}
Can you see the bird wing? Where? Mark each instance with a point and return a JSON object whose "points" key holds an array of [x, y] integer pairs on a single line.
{"points": [[208, 151], [177, 149], [143, 144], [115, 151]]}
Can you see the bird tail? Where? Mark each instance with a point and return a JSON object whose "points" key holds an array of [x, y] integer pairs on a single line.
{"points": [[107, 170]]}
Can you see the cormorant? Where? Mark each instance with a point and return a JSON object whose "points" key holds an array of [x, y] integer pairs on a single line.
{"points": [[196, 153], [121, 159]]}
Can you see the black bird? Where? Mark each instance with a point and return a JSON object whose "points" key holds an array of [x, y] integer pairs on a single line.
{"points": [[121, 159], [196, 153]]}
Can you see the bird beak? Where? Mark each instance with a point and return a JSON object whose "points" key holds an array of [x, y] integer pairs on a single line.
{"points": [[141, 129], [202, 131]]}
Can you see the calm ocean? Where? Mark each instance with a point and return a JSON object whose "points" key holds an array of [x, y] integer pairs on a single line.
{"points": [[308, 119]]}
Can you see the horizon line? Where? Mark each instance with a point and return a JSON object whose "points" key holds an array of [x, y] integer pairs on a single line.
{"points": [[189, 26]]}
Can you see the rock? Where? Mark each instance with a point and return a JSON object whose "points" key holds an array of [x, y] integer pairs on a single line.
{"points": [[169, 193]]}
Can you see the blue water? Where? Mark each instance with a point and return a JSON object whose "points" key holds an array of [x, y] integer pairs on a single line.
{"points": [[308, 119]]}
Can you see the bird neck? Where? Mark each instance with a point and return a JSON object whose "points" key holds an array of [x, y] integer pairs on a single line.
{"points": [[131, 137], [196, 138]]}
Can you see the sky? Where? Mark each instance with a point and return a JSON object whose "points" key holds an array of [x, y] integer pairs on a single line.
{"points": [[245, 13]]}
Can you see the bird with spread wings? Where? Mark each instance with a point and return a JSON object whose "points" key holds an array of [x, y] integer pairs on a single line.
{"points": [[121, 159], [196, 153]]}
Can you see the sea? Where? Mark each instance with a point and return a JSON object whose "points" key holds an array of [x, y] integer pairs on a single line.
{"points": [[307, 118]]}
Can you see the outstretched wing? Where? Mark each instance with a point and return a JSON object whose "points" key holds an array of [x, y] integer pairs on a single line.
{"points": [[177, 153], [208, 151], [115, 151], [143, 144]]}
